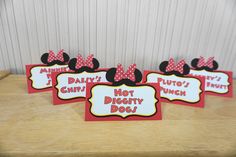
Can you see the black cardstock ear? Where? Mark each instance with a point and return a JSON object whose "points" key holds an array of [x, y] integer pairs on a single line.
{"points": [[72, 66], [164, 64], [194, 63], [44, 59], [110, 75]]}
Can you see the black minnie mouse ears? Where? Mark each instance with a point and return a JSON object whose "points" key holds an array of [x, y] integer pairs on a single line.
{"points": [[118, 76], [79, 64], [179, 69], [202, 64], [50, 58]]}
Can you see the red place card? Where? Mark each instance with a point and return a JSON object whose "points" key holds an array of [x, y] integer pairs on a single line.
{"points": [[39, 75], [106, 102], [219, 83]]}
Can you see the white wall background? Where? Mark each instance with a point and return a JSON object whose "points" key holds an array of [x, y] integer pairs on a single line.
{"points": [[145, 32]]}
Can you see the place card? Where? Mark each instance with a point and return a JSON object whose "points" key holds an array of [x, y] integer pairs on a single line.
{"points": [[124, 98], [219, 83], [70, 87], [176, 86], [39, 75]]}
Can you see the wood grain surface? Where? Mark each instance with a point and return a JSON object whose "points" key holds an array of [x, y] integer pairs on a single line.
{"points": [[4, 73], [31, 126]]}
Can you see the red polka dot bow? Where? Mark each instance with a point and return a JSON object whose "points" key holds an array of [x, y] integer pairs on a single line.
{"points": [[178, 67], [53, 57], [81, 62], [208, 63], [129, 74]]}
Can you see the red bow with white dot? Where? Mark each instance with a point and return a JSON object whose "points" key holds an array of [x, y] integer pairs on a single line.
{"points": [[178, 67], [208, 63], [81, 62], [129, 74], [53, 57]]}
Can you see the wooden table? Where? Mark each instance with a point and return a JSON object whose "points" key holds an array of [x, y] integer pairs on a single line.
{"points": [[4, 73], [31, 126]]}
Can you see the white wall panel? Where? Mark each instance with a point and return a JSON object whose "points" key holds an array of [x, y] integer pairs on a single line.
{"points": [[118, 31]]}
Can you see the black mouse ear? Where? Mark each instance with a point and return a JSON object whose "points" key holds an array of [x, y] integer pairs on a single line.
{"points": [[66, 57], [163, 66], [72, 64], [194, 62], [138, 76], [95, 64], [203, 64], [84, 66], [186, 69], [111, 74], [44, 58], [215, 65]]}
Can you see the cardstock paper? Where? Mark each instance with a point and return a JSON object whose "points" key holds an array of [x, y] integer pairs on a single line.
{"points": [[106, 102]]}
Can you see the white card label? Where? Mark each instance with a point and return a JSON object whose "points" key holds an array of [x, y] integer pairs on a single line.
{"points": [[41, 75], [72, 85], [177, 88], [215, 81]]}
